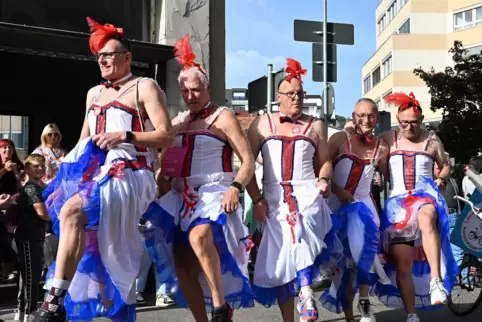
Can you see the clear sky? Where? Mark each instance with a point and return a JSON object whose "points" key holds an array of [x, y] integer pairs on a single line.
{"points": [[259, 32]]}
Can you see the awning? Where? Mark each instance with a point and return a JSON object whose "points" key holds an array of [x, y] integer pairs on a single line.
{"points": [[72, 43]]}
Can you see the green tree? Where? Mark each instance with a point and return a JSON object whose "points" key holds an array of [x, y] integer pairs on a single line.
{"points": [[457, 91]]}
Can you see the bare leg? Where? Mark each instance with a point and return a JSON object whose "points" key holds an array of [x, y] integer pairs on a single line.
{"points": [[187, 270], [403, 255], [202, 243], [72, 238], [287, 310], [427, 217]]}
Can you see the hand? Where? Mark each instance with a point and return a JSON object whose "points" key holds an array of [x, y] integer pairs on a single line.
{"points": [[261, 211], [231, 200], [325, 189], [10, 166], [440, 183], [109, 140], [345, 197], [5, 200], [163, 185], [350, 127]]}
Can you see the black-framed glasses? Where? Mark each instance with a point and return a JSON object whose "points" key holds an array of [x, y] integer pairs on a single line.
{"points": [[109, 54], [371, 117], [294, 94], [413, 123]]}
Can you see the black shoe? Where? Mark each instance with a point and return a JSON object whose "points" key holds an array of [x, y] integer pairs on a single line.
{"points": [[224, 314], [45, 316]]}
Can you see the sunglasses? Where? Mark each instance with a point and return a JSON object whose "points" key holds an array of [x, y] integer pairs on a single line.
{"points": [[52, 134]]}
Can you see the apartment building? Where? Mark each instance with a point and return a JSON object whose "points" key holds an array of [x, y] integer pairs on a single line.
{"points": [[418, 33]]}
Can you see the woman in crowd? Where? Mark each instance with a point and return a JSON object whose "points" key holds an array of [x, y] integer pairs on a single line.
{"points": [[51, 150], [10, 170]]}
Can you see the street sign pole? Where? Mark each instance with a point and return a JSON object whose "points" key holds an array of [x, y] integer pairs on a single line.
{"points": [[325, 66], [269, 85]]}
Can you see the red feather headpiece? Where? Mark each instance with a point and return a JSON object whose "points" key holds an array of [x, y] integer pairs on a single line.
{"points": [[100, 34], [183, 52], [404, 101], [294, 70]]}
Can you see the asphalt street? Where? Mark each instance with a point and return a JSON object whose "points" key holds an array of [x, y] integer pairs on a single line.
{"points": [[258, 313]]}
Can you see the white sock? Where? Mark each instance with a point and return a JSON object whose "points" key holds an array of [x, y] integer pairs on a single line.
{"points": [[61, 284]]}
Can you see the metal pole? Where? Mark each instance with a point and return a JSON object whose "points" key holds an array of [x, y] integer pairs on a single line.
{"points": [[269, 86], [325, 66]]}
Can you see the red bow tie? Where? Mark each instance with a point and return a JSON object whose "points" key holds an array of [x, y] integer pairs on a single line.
{"points": [[200, 115], [110, 85], [288, 119], [365, 138]]}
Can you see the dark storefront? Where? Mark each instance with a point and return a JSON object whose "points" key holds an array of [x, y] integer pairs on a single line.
{"points": [[48, 70]]}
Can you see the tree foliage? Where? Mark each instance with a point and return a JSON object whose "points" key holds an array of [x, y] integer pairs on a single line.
{"points": [[457, 91]]}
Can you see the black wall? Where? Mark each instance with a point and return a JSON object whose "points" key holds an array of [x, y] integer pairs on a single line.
{"points": [[49, 90]]}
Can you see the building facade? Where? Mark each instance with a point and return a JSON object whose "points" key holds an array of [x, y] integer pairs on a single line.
{"points": [[418, 33]]}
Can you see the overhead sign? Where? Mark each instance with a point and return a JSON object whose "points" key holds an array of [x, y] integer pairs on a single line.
{"points": [[312, 31]]}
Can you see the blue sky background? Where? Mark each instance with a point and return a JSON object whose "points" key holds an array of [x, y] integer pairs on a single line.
{"points": [[259, 32]]}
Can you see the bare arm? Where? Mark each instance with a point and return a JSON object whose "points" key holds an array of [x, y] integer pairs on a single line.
{"points": [[323, 158], [238, 141], [41, 211], [254, 138], [152, 98], [334, 142], [441, 158], [383, 161], [85, 132]]}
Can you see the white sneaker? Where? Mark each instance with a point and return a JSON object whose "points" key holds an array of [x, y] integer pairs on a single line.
{"points": [[365, 309], [438, 293], [412, 317], [307, 306], [164, 300], [139, 298], [18, 316], [25, 318]]}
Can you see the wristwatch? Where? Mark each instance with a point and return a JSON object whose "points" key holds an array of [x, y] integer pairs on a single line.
{"points": [[237, 185], [128, 137]]}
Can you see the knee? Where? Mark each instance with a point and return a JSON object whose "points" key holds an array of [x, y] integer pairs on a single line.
{"points": [[71, 213], [404, 269], [426, 219], [200, 237]]}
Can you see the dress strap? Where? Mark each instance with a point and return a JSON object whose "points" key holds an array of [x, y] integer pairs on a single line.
{"points": [[215, 116], [308, 126], [348, 141], [127, 90], [376, 151], [96, 96], [272, 127], [427, 141], [395, 138]]}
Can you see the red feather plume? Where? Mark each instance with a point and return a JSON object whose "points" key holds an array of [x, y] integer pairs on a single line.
{"points": [[100, 34], [404, 101], [185, 55], [294, 69]]}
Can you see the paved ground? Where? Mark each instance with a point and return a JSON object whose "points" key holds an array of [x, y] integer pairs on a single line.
{"points": [[257, 314]]}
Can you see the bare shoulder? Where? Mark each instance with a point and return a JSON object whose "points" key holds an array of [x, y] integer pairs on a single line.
{"points": [[387, 137], [384, 147], [148, 85], [91, 92]]}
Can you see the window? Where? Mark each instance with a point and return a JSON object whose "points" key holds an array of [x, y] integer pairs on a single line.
{"points": [[382, 23], [387, 66], [15, 127], [239, 96], [367, 84], [386, 105], [392, 11], [377, 102], [239, 107], [474, 50], [405, 28], [376, 76], [468, 18]]}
